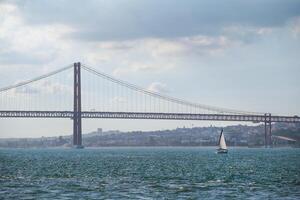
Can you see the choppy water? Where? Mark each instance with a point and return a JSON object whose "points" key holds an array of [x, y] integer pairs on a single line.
{"points": [[149, 173]]}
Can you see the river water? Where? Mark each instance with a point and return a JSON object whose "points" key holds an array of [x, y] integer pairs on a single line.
{"points": [[149, 173]]}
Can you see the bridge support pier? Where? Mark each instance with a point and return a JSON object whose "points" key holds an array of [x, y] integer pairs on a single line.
{"points": [[268, 130], [77, 135]]}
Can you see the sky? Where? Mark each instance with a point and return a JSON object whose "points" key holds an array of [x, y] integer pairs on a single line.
{"points": [[234, 54]]}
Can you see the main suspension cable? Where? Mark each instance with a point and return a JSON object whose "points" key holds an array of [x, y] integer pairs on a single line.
{"points": [[35, 79], [165, 97]]}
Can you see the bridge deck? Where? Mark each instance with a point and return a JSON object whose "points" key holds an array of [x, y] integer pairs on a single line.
{"points": [[140, 115]]}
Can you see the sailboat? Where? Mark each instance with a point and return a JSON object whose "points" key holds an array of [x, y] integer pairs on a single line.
{"points": [[222, 144]]}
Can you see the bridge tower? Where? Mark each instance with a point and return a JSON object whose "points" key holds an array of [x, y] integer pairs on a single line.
{"points": [[77, 135], [268, 130]]}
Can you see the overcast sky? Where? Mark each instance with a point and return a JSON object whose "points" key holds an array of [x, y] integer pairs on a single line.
{"points": [[235, 54]]}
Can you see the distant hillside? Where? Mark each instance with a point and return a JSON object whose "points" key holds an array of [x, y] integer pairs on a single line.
{"points": [[294, 134], [238, 135]]}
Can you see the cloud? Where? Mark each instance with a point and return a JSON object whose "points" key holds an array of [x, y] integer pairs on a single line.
{"points": [[129, 35], [246, 34], [112, 45], [26, 90], [42, 87], [22, 43], [147, 66], [54, 88], [135, 19], [295, 27], [158, 87], [157, 55], [118, 99]]}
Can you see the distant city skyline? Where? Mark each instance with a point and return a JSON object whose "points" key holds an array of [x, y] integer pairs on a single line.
{"points": [[202, 51]]}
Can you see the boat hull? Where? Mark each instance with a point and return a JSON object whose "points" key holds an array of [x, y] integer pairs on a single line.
{"points": [[220, 151], [78, 147]]}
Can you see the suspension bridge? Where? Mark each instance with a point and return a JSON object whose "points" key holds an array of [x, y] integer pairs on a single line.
{"points": [[78, 91]]}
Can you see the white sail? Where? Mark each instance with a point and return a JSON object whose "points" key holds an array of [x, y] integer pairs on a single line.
{"points": [[222, 142]]}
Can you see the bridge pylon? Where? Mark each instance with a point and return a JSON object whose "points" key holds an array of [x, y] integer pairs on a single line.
{"points": [[268, 130], [77, 129]]}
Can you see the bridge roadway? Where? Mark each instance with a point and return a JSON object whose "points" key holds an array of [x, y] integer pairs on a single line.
{"points": [[144, 115]]}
